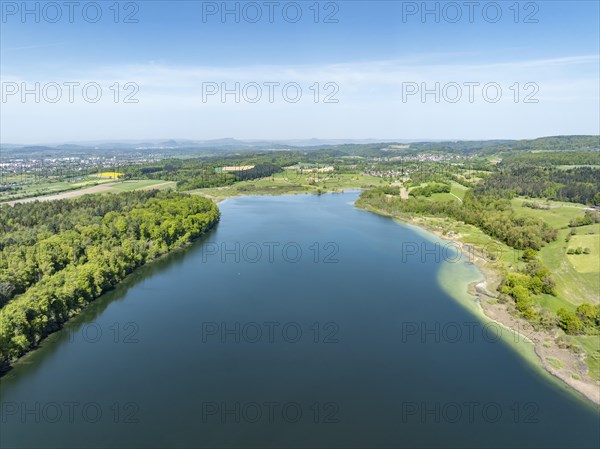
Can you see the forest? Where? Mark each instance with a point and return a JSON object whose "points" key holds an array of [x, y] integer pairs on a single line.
{"points": [[543, 158], [198, 173], [56, 257], [578, 185], [491, 215]]}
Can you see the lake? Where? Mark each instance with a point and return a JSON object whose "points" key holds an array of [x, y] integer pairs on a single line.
{"points": [[300, 321]]}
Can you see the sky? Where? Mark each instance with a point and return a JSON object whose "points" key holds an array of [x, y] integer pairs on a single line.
{"points": [[138, 70]]}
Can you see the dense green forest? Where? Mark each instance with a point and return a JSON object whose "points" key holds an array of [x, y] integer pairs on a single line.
{"points": [[579, 185], [492, 215], [198, 173], [58, 256], [542, 158], [430, 189], [556, 143]]}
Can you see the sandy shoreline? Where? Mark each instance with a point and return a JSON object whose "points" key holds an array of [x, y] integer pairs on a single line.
{"points": [[572, 371]]}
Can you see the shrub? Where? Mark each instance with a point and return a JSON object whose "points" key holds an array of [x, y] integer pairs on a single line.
{"points": [[529, 255], [569, 322], [589, 315]]}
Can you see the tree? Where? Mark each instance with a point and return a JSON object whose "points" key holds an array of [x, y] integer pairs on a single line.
{"points": [[589, 314], [569, 322], [529, 255], [6, 291]]}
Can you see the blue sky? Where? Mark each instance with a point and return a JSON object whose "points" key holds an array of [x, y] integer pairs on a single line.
{"points": [[366, 56]]}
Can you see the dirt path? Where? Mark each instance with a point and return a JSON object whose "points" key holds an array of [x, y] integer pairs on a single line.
{"points": [[159, 186], [64, 195], [456, 197]]}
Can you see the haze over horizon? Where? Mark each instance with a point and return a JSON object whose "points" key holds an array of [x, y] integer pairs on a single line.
{"points": [[288, 141]]}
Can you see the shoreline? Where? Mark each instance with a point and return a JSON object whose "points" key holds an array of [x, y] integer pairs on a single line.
{"points": [[218, 199], [560, 362]]}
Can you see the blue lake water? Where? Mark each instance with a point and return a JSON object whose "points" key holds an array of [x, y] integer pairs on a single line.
{"points": [[300, 321]]}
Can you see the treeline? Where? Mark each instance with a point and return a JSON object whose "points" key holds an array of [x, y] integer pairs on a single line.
{"points": [[535, 279], [56, 257], [590, 217], [219, 178], [536, 205], [579, 185], [492, 215], [544, 158], [430, 189], [201, 173], [555, 143], [585, 320], [524, 284]]}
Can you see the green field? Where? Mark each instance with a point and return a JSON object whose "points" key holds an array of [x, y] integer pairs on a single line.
{"points": [[577, 276], [457, 193], [458, 189], [591, 345], [584, 263], [48, 187], [573, 285], [558, 216], [128, 186]]}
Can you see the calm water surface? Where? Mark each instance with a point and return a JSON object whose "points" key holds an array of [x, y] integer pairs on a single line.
{"points": [[299, 322]]}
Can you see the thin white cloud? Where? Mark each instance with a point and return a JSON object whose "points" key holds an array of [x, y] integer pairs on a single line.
{"points": [[370, 102]]}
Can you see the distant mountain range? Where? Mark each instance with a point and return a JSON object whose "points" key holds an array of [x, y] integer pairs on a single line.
{"points": [[213, 143], [217, 146]]}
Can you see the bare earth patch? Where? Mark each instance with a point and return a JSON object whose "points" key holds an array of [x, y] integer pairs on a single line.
{"points": [[65, 195], [159, 186]]}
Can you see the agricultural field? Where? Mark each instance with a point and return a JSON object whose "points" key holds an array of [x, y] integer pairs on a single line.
{"points": [[105, 187], [108, 175], [558, 215], [577, 276], [48, 187], [457, 192]]}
